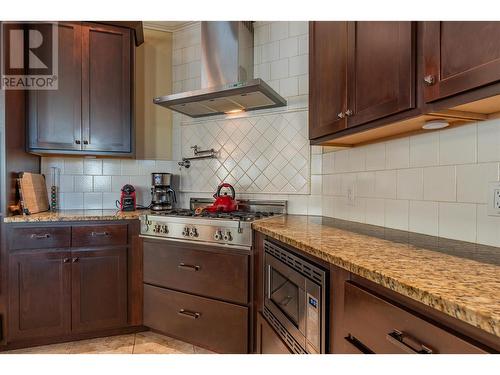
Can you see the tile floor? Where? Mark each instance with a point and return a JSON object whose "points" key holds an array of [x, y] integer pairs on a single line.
{"points": [[139, 343]]}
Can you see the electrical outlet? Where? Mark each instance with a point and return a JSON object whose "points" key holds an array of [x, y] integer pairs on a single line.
{"points": [[350, 196], [494, 199]]}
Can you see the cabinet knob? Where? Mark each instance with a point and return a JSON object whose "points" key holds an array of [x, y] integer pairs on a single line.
{"points": [[349, 113], [74, 260], [341, 115], [77, 141], [429, 80], [85, 142], [66, 260]]}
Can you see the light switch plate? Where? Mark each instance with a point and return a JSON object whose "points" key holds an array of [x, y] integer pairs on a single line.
{"points": [[494, 199]]}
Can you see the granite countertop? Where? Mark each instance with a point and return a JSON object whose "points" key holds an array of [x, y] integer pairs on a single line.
{"points": [[457, 278], [75, 215]]}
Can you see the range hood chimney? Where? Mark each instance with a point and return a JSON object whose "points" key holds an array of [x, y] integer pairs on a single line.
{"points": [[227, 79]]}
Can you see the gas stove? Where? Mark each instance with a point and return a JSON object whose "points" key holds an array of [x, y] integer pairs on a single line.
{"points": [[219, 228]]}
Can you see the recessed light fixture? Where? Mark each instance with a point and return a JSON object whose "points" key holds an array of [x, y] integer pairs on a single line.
{"points": [[435, 124]]}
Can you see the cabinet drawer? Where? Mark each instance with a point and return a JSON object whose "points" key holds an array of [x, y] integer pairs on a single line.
{"points": [[219, 326], [383, 327], [39, 238], [183, 267], [99, 235]]}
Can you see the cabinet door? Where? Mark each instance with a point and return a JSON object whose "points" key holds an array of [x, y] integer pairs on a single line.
{"points": [[381, 70], [106, 89], [99, 289], [55, 115], [39, 294], [327, 77], [268, 341], [459, 56]]}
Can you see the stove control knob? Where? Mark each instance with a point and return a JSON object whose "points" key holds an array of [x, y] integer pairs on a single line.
{"points": [[193, 232], [218, 235], [156, 228], [185, 232], [227, 236], [164, 229]]}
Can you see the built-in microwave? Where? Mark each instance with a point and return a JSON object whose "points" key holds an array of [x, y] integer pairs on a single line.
{"points": [[294, 299]]}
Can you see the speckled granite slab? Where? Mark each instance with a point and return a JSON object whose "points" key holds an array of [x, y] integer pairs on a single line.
{"points": [[74, 215], [459, 279]]}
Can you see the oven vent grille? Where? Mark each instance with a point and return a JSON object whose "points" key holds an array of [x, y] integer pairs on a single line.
{"points": [[305, 268], [289, 340]]}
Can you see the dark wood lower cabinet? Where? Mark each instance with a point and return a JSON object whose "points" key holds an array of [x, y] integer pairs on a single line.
{"points": [[215, 325], [66, 282], [268, 341], [99, 289], [39, 294]]}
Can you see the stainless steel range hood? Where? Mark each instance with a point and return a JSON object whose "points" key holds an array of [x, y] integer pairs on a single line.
{"points": [[227, 79]]}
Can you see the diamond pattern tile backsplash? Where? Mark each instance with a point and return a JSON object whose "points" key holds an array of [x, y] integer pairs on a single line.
{"points": [[257, 154]]}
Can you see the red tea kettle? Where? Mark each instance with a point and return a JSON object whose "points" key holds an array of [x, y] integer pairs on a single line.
{"points": [[223, 202]]}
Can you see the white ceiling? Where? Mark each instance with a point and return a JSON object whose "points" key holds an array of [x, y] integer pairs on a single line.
{"points": [[166, 25]]}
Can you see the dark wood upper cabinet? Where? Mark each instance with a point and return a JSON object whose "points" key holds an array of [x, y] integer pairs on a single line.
{"points": [[327, 77], [381, 70], [359, 72], [459, 56], [55, 115], [99, 289], [106, 101], [91, 111], [39, 294]]}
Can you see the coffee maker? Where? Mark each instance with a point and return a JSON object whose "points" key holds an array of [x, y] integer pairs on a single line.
{"points": [[162, 195]]}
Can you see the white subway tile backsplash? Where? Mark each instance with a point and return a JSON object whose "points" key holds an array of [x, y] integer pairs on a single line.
{"points": [[472, 181], [66, 183], [109, 200], [488, 227], [117, 182], [385, 184], [73, 166], [83, 183], [304, 44], [92, 166], [270, 52], [365, 184], [130, 168], [397, 153], [357, 159], [102, 184], [396, 214], [289, 47], [111, 167], [457, 221], [92, 201], [423, 217], [315, 205], [440, 184], [488, 141], [458, 145], [375, 156], [424, 150], [279, 69], [299, 65], [410, 184], [72, 201], [297, 27], [374, 211], [289, 86], [279, 30], [341, 161], [316, 163]]}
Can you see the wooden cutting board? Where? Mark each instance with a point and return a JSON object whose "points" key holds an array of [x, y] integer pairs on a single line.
{"points": [[33, 193]]}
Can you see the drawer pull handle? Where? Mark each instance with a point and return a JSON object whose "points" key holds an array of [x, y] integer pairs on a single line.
{"points": [[74, 260], [188, 267], [189, 314], [40, 236], [66, 260], [99, 234], [407, 343]]}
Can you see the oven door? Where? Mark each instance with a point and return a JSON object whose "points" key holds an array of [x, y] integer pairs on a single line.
{"points": [[285, 297]]}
